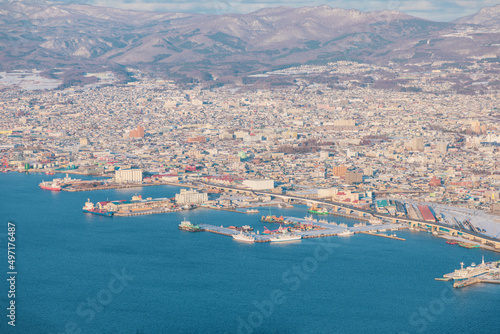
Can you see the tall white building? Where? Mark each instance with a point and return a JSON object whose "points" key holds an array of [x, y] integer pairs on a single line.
{"points": [[259, 184], [128, 175], [190, 196]]}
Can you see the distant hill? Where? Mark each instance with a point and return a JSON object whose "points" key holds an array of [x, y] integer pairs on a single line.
{"points": [[48, 35], [488, 16]]}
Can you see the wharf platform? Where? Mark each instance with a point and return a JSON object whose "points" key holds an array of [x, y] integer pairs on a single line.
{"points": [[357, 217], [325, 230], [485, 278], [142, 213], [383, 235], [464, 240], [230, 232], [221, 209], [113, 186]]}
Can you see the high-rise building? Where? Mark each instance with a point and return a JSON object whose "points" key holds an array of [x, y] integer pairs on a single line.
{"points": [[353, 177], [259, 184], [324, 155], [442, 147], [190, 196], [128, 175], [137, 133], [339, 170], [418, 144], [197, 139]]}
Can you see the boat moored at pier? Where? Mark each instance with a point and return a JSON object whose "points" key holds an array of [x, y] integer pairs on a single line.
{"points": [[53, 186], [90, 208], [243, 237], [186, 225]]}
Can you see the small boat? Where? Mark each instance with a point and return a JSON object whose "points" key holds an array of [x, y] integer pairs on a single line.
{"points": [[318, 211], [252, 211], [468, 245], [451, 242]]}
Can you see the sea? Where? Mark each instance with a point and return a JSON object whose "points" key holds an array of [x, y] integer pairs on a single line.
{"points": [[81, 273]]}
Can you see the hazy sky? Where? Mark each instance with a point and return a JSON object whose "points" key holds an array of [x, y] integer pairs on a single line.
{"points": [[437, 10]]}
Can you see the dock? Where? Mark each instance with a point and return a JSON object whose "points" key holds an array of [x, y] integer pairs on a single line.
{"points": [[485, 278], [467, 282], [357, 217], [324, 230], [221, 209], [230, 232], [383, 235], [142, 213]]}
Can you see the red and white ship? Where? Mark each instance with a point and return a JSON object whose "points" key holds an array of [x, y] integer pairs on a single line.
{"points": [[54, 186]]}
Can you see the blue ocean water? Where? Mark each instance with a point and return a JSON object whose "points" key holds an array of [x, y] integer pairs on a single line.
{"points": [[79, 273]]}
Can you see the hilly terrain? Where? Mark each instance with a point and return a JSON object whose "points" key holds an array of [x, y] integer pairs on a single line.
{"points": [[67, 39]]}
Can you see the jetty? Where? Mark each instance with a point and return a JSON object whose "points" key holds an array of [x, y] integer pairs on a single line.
{"points": [[383, 235]]}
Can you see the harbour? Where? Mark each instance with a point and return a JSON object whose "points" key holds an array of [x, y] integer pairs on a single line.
{"points": [[147, 247]]}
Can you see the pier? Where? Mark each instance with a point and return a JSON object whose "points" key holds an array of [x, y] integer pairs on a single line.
{"points": [[478, 279], [383, 235], [323, 230], [142, 213]]}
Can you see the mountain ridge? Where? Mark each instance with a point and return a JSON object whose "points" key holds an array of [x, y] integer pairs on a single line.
{"points": [[46, 35]]}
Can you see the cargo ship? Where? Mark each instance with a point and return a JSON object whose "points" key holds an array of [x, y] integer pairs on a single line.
{"points": [[89, 208], [243, 237], [318, 211], [53, 186], [188, 226]]}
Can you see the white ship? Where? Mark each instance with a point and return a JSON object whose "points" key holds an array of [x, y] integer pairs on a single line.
{"points": [[252, 211], [285, 237], [310, 218], [345, 233], [88, 205], [468, 272], [243, 237]]}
